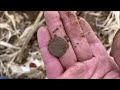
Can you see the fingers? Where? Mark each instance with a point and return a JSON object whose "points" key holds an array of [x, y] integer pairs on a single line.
{"points": [[115, 52], [95, 44], [55, 28], [75, 33], [52, 64]]}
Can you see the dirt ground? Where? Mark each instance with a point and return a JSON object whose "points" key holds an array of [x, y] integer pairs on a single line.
{"points": [[12, 26]]}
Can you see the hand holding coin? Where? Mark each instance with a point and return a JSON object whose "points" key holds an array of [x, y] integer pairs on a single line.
{"points": [[71, 50]]}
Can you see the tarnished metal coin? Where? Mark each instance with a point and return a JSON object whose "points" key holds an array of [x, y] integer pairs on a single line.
{"points": [[57, 46]]}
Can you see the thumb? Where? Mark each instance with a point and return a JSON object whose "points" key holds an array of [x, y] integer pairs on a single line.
{"points": [[115, 51]]}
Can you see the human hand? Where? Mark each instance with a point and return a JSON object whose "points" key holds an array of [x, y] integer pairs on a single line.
{"points": [[86, 57]]}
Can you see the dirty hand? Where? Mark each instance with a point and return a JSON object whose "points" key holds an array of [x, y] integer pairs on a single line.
{"points": [[85, 57]]}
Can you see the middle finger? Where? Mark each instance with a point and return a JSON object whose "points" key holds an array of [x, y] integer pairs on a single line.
{"points": [[76, 35]]}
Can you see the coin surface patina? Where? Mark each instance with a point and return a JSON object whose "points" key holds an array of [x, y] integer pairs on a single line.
{"points": [[57, 46]]}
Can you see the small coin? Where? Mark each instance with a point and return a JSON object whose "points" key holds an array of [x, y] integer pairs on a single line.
{"points": [[57, 46]]}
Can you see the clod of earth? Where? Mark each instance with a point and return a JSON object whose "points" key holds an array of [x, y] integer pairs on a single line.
{"points": [[57, 46]]}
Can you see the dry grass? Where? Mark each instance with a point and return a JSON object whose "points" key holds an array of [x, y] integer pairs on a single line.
{"points": [[108, 28], [19, 53], [15, 35]]}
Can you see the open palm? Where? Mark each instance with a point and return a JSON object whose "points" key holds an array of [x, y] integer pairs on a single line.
{"points": [[85, 58]]}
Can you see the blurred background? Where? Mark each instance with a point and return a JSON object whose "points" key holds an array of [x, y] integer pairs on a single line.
{"points": [[19, 52]]}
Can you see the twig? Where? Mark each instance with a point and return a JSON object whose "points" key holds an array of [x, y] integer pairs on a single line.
{"points": [[27, 35], [8, 45], [38, 17], [5, 69]]}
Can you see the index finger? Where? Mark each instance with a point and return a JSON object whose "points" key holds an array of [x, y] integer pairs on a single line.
{"points": [[55, 28]]}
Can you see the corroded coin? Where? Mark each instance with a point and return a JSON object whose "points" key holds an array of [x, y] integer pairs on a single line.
{"points": [[57, 46]]}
